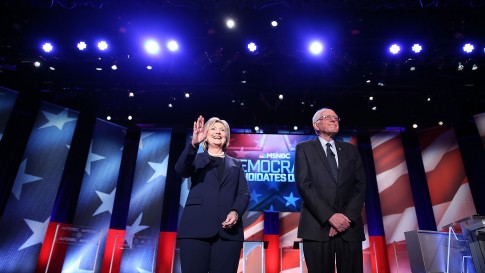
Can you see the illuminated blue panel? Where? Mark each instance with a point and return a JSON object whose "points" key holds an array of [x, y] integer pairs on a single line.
{"points": [[268, 162], [146, 202], [97, 196], [29, 206], [7, 101]]}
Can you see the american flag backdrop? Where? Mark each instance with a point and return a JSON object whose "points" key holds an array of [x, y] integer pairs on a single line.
{"points": [[96, 197], [7, 101], [29, 206], [397, 203], [447, 181], [146, 202]]}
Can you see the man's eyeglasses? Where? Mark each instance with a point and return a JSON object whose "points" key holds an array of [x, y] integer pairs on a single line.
{"points": [[328, 117]]}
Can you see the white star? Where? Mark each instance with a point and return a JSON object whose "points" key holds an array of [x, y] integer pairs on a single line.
{"points": [[107, 201], [22, 178], [91, 158], [57, 120], [38, 229], [142, 137], [74, 267], [133, 229], [160, 168]]}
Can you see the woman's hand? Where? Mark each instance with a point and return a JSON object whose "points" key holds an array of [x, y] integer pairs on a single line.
{"points": [[199, 133], [231, 219]]}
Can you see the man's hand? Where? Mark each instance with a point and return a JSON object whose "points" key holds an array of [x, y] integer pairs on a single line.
{"points": [[339, 221]]}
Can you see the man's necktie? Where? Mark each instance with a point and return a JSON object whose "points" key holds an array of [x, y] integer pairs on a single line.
{"points": [[332, 161]]}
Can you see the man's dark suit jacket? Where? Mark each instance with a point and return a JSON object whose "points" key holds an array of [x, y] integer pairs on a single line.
{"points": [[210, 200], [323, 196]]}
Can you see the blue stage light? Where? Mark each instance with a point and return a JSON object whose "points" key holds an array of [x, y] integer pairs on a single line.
{"points": [[468, 48], [252, 47], [316, 48], [47, 47], [394, 49], [102, 45], [81, 45], [152, 47], [172, 45]]}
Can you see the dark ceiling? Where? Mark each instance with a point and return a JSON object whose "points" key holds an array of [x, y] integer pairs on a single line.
{"points": [[224, 80]]}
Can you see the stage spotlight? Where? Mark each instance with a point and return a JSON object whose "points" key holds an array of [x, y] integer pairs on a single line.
{"points": [[417, 48], [440, 123], [187, 95], [102, 45], [256, 128], [230, 23], [131, 94], [415, 125], [371, 98], [394, 49], [149, 67], [81, 45], [316, 48], [170, 105], [252, 47], [152, 47], [130, 117], [108, 118], [47, 47], [114, 67], [474, 67], [280, 96], [173, 46], [274, 23], [99, 69], [468, 48], [295, 128], [37, 64], [51, 68]]}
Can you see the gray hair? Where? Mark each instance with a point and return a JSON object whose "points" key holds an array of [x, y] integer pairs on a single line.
{"points": [[316, 116], [211, 122]]}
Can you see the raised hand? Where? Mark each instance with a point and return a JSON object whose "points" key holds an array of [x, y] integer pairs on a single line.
{"points": [[199, 133]]}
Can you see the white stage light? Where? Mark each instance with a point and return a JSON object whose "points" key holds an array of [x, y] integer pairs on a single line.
{"points": [[81, 45], [173, 46], [152, 47], [103, 45], [417, 48], [47, 47], [394, 49], [316, 48], [252, 47], [468, 48], [230, 23]]}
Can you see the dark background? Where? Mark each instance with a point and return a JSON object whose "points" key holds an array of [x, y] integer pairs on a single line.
{"points": [[213, 61]]}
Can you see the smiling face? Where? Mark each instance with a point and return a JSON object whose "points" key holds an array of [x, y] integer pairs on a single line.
{"points": [[326, 124], [218, 134]]}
